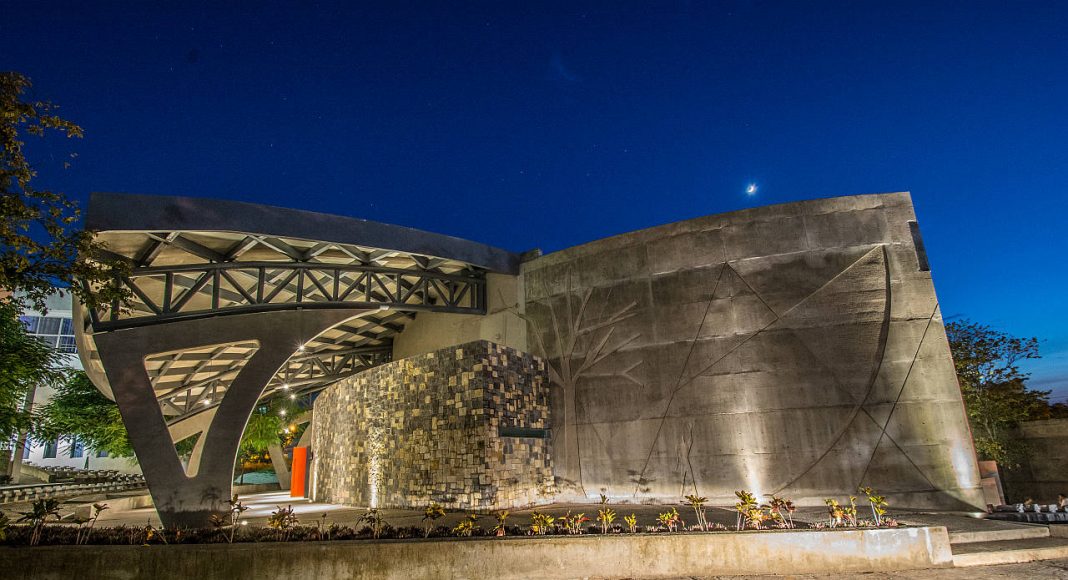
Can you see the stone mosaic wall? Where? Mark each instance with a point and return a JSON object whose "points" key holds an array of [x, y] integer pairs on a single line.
{"points": [[429, 428]]}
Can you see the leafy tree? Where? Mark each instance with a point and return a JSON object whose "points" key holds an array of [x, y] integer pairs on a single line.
{"points": [[1058, 411], [79, 410], [25, 363], [994, 389], [41, 245], [263, 430]]}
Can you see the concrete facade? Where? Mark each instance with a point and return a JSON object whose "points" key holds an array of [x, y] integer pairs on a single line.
{"points": [[464, 427], [795, 349]]}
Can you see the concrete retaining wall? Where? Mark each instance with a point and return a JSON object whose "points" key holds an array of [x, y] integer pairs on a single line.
{"points": [[1042, 475], [613, 556]]}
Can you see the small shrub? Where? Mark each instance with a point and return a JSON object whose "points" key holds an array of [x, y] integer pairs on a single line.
{"points": [[632, 523]]}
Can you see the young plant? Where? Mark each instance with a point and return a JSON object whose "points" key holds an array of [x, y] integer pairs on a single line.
{"points": [[466, 526], [781, 510], [697, 503], [38, 515], [236, 509], [541, 524], [851, 511], [878, 504], [606, 516], [430, 515], [283, 520], [573, 524], [321, 531], [217, 521], [670, 520], [84, 531], [632, 523], [374, 520], [749, 512], [835, 513], [501, 527]]}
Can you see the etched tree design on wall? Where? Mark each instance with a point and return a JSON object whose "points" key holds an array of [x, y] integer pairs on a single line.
{"points": [[577, 341]]}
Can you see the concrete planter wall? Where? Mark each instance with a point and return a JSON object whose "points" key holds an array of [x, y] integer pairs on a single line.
{"points": [[545, 558]]}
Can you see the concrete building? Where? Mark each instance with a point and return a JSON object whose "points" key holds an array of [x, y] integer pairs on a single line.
{"points": [[795, 349]]}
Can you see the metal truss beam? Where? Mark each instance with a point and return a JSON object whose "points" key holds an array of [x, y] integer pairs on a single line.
{"points": [[170, 293]]}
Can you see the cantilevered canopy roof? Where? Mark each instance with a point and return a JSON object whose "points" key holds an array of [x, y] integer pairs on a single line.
{"points": [[197, 258], [149, 213]]}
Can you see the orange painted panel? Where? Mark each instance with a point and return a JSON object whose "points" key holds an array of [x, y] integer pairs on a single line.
{"points": [[299, 473]]}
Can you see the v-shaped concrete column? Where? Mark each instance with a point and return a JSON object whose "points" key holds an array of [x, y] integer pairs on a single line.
{"points": [[190, 501]]}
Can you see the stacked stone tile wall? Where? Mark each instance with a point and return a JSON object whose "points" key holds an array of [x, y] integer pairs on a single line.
{"points": [[428, 429]]}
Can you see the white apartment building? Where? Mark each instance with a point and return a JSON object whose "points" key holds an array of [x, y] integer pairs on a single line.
{"points": [[56, 329]]}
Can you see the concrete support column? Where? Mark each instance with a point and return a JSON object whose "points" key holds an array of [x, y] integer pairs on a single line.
{"points": [[278, 460], [190, 500]]}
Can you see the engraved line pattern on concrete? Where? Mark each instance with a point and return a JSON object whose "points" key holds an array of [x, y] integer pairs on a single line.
{"points": [[882, 428]]}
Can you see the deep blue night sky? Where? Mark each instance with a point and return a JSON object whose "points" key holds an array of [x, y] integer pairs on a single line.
{"points": [[551, 126]]}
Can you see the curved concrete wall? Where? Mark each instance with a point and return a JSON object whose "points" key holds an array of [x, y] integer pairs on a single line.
{"points": [[794, 349]]}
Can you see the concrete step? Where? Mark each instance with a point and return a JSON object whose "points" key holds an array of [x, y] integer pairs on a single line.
{"points": [[1009, 552], [1020, 532]]}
